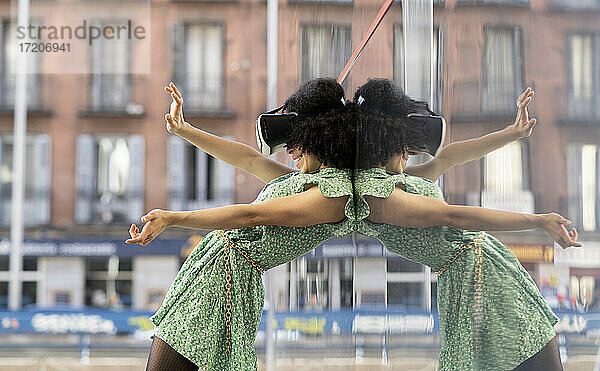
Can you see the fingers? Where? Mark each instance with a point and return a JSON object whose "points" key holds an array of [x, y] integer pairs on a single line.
{"points": [[148, 217], [133, 230], [169, 119], [527, 93], [573, 235], [174, 88], [176, 98], [522, 96], [523, 105], [142, 238]]}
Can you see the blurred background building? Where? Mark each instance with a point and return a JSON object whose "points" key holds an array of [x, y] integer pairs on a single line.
{"points": [[98, 154]]}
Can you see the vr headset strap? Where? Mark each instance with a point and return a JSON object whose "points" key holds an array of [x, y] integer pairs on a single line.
{"points": [[275, 110]]}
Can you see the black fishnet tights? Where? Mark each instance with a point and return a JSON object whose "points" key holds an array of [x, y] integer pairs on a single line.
{"points": [[547, 359], [164, 358]]}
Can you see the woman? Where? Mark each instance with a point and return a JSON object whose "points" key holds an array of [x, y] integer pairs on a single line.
{"points": [[491, 313], [210, 315]]}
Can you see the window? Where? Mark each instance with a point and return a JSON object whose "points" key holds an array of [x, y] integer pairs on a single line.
{"points": [[505, 179], [8, 72], [583, 95], [582, 167], [408, 295], [504, 169], [29, 283], [110, 84], [110, 178], [108, 282], [502, 66], [312, 283], [325, 49], [36, 206], [197, 180], [346, 282], [399, 265], [577, 4], [406, 283], [29, 264], [425, 68], [62, 297], [197, 62]]}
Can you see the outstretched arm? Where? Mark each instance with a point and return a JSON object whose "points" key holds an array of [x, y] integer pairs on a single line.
{"points": [[416, 211], [303, 209], [234, 153], [467, 150]]}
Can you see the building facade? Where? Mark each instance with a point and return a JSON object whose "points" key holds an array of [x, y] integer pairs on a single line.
{"points": [[98, 156]]}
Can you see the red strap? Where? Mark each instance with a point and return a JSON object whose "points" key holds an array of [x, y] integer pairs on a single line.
{"points": [[365, 40]]}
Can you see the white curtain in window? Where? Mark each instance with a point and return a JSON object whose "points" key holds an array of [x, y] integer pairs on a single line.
{"points": [[325, 50], [120, 163], [504, 169], [499, 58], [114, 163], [204, 65], [581, 65], [501, 69]]}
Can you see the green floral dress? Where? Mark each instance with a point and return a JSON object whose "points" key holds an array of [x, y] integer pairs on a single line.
{"points": [[211, 313], [492, 315]]}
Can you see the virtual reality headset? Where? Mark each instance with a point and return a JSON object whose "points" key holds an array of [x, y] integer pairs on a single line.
{"points": [[273, 130], [434, 127]]}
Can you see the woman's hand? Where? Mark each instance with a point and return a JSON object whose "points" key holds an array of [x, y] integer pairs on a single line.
{"points": [[156, 222], [175, 121], [523, 125], [556, 226]]}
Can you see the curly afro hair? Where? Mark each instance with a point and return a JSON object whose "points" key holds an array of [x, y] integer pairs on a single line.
{"points": [[382, 124], [325, 125]]}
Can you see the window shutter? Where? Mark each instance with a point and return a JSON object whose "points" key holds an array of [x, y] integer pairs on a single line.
{"points": [[177, 36], [202, 180], [136, 182], [225, 174], [177, 163], [43, 182], [95, 102], [85, 178], [574, 209], [4, 205]]}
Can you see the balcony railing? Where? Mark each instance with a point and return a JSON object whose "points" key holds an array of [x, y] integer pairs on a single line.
{"points": [[579, 106], [519, 202], [341, 2], [476, 101], [577, 5], [40, 91], [113, 95], [524, 3], [212, 96], [36, 208]]}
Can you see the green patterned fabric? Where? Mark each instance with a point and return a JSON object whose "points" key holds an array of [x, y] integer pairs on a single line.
{"points": [[515, 321], [192, 316]]}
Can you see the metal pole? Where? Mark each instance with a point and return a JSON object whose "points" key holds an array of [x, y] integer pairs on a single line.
{"points": [[431, 94], [272, 29], [20, 130]]}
